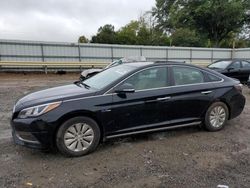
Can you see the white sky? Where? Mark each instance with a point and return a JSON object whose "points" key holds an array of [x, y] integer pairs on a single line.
{"points": [[65, 20]]}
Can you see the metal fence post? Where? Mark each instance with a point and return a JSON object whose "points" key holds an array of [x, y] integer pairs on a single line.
{"points": [[140, 51], [42, 52], [112, 53], [212, 55], [166, 54], [232, 53], [46, 69], [191, 55], [79, 53]]}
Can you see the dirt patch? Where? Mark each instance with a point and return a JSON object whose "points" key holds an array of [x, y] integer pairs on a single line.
{"points": [[188, 157]]}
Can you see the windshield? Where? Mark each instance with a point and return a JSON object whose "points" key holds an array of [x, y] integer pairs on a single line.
{"points": [[220, 64], [106, 77]]}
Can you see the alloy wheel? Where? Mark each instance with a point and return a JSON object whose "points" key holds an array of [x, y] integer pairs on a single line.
{"points": [[217, 116], [78, 137]]}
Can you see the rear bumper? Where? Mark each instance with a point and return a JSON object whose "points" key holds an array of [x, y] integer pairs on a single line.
{"points": [[237, 105]]}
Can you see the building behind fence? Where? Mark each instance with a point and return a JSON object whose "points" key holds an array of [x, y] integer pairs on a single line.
{"points": [[26, 54]]}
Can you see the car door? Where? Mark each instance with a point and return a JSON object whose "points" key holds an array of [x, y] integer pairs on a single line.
{"points": [[233, 70], [245, 70], [191, 94], [142, 109]]}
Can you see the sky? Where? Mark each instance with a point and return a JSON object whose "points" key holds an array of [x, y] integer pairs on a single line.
{"points": [[65, 20]]}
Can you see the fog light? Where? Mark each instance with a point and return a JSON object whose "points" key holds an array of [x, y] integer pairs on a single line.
{"points": [[26, 136]]}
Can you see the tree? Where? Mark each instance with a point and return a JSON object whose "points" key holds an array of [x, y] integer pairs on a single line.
{"points": [[128, 33], [83, 39], [141, 33], [162, 13], [211, 18], [105, 35], [144, 35], [186, 37]]}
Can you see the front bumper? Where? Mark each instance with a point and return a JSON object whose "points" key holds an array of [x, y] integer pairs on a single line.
{"points": [[32, 133], [27, 143]]}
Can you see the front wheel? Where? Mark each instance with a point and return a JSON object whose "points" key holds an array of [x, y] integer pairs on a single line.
{"points": [[78, 136], [216, 116]]}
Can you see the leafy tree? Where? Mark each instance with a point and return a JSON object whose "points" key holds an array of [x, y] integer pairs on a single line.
{"points": [[186, 37], [128, 33], [211, 18], [83, 39], [162, 13], [144, 35], [141, 33], [105, 35]]}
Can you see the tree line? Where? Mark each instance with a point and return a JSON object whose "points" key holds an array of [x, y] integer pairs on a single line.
{"points": [[199, 23]]}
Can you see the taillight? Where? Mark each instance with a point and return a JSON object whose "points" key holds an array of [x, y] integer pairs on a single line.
{"points": [[239, 87]]}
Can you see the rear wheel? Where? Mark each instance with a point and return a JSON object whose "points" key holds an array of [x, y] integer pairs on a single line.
{"points": [[216, 116], [78, 136]]}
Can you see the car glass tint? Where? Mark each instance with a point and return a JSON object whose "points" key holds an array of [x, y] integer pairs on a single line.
{"points": [[186, 75], [235, 65], [245, 65], [213, 78], [220, 64], [149, 79], [106, 77]]}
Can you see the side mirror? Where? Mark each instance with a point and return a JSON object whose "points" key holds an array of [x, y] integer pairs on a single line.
{"points": [[230, 69], [125, 88]]}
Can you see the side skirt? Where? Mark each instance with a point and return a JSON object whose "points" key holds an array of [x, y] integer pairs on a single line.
{"points": [[154, 129]]}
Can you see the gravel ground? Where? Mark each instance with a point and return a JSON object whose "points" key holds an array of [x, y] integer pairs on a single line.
{"points": [[187, 157]]}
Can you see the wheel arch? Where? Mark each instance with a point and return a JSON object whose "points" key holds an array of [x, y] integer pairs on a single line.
{"points": [[78, 113], [228, 106], [223, 101]]}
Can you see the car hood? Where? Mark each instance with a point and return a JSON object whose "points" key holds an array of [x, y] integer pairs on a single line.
{"points": [[54, 94]]}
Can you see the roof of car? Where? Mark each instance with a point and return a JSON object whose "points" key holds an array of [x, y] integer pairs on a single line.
{"points": [[234, 59], [156, 63]]}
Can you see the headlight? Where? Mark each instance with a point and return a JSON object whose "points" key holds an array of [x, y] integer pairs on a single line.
{"points": [[38, 110]]}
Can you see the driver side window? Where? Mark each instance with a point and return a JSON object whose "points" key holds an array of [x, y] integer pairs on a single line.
{"points": [[235, 65], [149, 79]]}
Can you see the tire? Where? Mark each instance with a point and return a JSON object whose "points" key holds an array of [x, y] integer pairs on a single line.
{"points": [[78, 136], [216, 116]]}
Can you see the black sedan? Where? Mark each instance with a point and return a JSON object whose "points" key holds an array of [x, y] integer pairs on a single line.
{"points": [[235, 68], [123, 100]]}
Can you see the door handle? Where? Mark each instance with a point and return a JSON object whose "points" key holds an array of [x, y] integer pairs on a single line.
{"points": [[163, 98], [206, 92]]}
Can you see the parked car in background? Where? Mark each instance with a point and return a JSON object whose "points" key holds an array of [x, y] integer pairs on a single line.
{"points": [[235, 68], [123, 100], [91, 72]]}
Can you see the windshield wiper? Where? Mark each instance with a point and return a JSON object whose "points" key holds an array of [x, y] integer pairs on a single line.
{"points": [[85, 85], [81, 83]]}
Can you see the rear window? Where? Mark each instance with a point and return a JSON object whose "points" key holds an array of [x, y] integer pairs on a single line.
{"points": [[187, 75], [213, 78], [245, 65]]}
